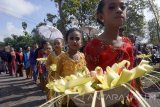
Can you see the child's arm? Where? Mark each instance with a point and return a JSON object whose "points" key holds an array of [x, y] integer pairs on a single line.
{"points": [[59, 68], [49, 61]]}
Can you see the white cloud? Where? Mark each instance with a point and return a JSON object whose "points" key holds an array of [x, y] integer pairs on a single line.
{"points": [[12, 29], [17, 8]]}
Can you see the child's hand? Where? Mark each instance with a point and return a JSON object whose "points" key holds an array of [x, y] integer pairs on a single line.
{"points": [[40, 62], [93, 73]]}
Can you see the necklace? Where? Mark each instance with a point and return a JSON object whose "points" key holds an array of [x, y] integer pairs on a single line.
{"points": [[74, 57], [117, 43]]}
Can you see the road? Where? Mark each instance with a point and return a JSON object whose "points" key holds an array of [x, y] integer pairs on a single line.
{"points": [[19, 92], [22, 92]]}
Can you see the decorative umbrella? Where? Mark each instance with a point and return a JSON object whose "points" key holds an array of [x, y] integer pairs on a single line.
{"points": [[90, 31], [49, 32]]}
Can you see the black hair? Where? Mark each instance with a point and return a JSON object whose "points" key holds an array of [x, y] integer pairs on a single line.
{"points": [[100, 10], [53, 41], [60, 39], [121, 29], [19, 49], [44, 42], [70, 31]]}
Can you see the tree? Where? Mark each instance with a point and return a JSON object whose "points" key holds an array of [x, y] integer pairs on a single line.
{"points": [[82, 10], [24, 26], [41, 24], [2, 44], [153, 31], [135, 17], [7, 41], [18, 41], [51, 18], [154, 8], [62, 18], [36, 37]]}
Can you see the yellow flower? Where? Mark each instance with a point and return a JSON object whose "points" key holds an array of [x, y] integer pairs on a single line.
{"points": [[50, 85], [41, 59], [53, 67], [116, 75]]}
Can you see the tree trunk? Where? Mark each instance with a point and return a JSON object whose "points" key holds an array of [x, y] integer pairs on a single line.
{"points": [[62, 18], [156, 17]]}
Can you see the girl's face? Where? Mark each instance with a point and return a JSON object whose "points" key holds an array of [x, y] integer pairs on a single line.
{"points": [[35, 46], [29, 48], [46, 45], [49, 49], [74, 40], [12, 49], [20, 49], [58, 44], [114, 13]]}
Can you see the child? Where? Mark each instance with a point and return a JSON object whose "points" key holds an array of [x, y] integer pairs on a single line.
{"points": [[26, 57], [57, 45], [109, 47], [52, 58], [71, 61], [13, 62], [33, 61], [19, 59], [48, 49], [43, 53]]}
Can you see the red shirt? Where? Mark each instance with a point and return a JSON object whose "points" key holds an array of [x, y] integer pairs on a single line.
{"points": [[98, 53], [42, 53]]}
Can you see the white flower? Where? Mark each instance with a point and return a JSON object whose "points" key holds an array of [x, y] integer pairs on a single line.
{"points": [[118, 42]]}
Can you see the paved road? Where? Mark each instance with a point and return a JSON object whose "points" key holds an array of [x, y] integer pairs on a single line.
{"points": [[19, 92], [152, 89]]}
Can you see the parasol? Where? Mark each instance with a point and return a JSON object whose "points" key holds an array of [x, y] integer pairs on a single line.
{"points": [[49, 32], [90, 31]]}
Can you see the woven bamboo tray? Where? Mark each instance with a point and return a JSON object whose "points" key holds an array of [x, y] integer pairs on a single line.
{"points": [[111, 97]]}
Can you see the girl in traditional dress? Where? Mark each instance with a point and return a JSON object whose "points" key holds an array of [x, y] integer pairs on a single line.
{"points": [[71, 61], [110, 47], [33, 61], [27, 65], [19, 58], [43, 53], [13, 62], [57, 45]]}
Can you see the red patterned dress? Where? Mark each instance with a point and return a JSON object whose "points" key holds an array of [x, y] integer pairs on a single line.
{"points": [[98, 53]]}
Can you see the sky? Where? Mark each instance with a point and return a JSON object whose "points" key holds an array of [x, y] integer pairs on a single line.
{"points": [[148, 14], [14, 12]]}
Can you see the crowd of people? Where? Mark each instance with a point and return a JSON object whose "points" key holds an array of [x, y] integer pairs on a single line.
{"points": [[153, 52], [105, 50], [13, 61]]}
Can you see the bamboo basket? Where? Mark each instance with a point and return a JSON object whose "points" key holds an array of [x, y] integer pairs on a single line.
{"points": [[111, 97]]}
